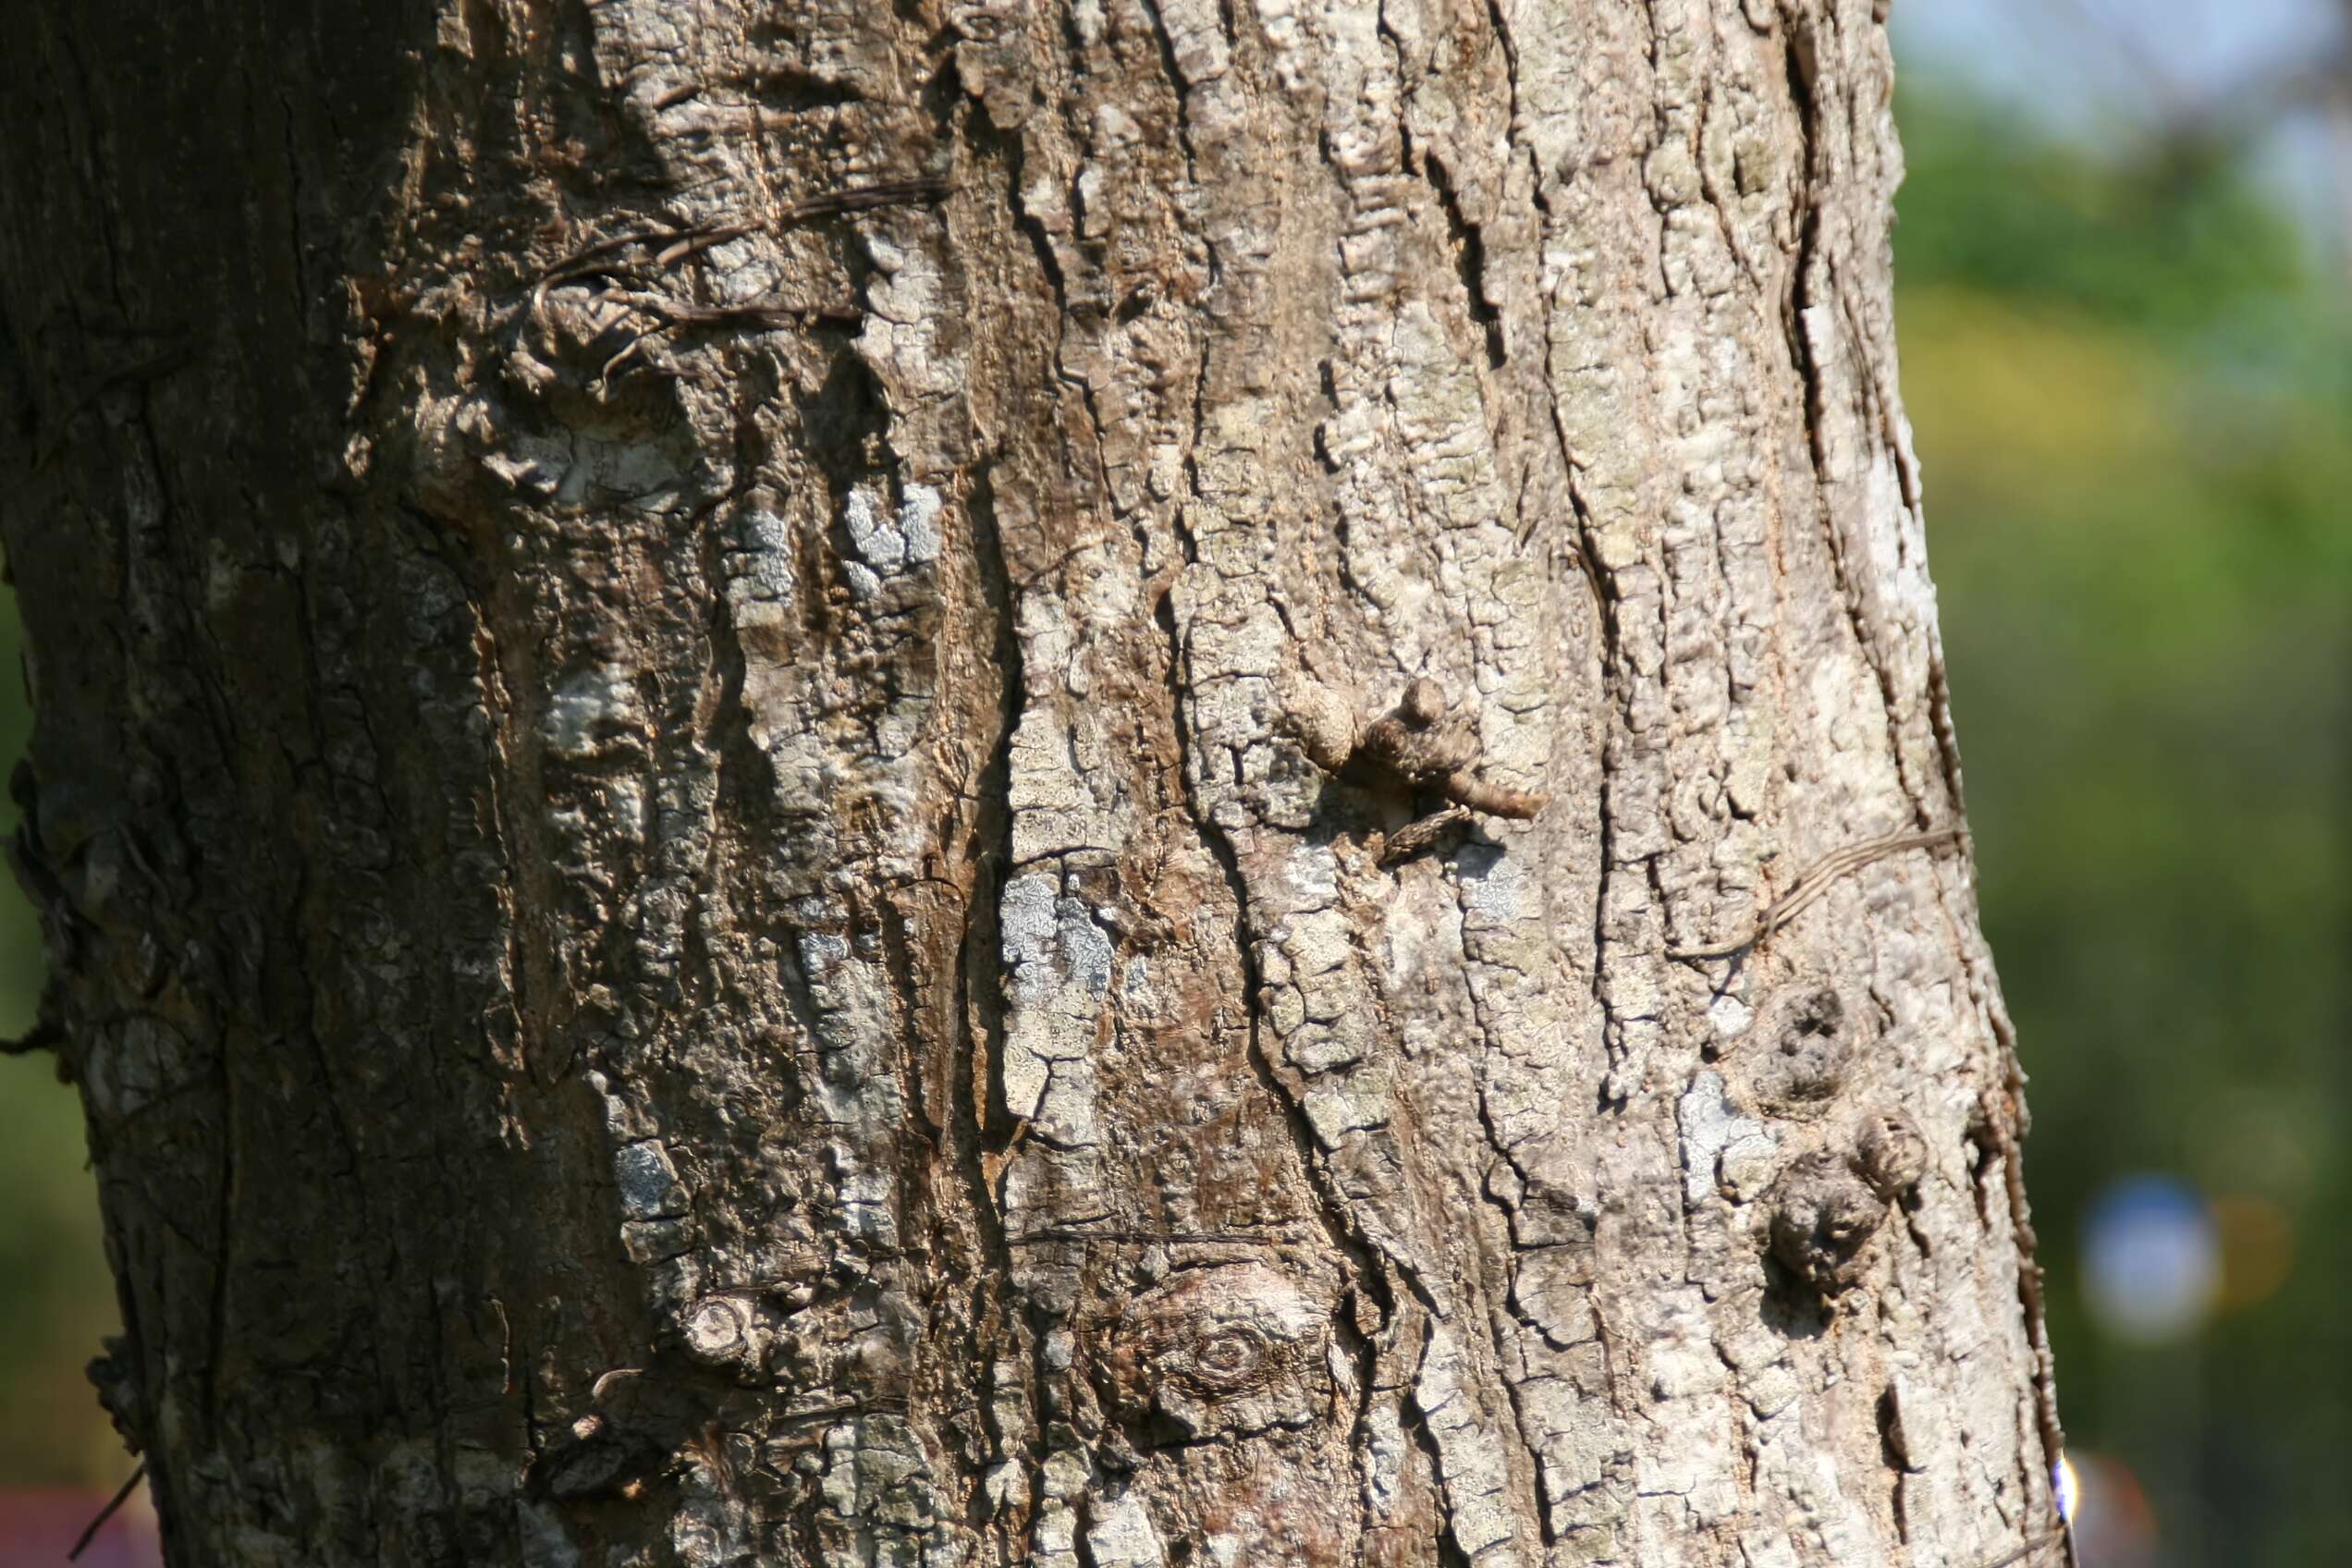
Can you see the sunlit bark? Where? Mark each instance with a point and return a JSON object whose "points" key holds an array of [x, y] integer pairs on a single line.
{"points": [[723, 871]]}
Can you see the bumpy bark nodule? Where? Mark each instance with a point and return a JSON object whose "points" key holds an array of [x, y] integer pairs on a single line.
{"points": [[680, 651]]}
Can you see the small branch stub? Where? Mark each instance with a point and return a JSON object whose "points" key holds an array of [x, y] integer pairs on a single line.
{"points": [[1417, 745]]}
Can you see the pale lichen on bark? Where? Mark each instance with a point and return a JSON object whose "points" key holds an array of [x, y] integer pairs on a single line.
{"points": [[748, 914]]}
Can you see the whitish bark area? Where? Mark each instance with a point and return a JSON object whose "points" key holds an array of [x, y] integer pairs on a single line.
{"points": [[685, 892]]}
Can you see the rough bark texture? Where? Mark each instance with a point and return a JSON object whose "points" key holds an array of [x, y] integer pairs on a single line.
{"points": [[679, 649]]}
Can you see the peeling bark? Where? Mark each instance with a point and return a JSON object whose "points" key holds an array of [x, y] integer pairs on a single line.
{"points": [[720, 875]]}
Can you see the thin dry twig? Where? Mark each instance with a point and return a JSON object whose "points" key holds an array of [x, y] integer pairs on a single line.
{"points": [[1817, 880], [108, 1512], [42, 1036], [1146, 1238], [1415, 836], [675, 244], [606, 259]]}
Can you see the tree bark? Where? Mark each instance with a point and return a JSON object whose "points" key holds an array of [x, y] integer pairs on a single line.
{"points": [[722, 864]]}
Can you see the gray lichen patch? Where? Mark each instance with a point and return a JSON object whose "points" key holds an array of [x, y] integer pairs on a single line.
{"points": [[1722, 1149]]}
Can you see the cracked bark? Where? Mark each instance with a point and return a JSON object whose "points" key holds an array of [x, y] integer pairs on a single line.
{"points": [[688, 922]]}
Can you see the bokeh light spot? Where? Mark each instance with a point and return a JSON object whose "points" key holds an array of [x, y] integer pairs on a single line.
{"points": [[2152, 1258]]}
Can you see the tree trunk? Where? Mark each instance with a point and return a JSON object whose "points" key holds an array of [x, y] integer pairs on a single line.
{"points": [[723, 871]]}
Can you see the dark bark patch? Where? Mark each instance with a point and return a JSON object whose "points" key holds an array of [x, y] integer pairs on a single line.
{"points": [[1800, 1049], [1822, 1219]]}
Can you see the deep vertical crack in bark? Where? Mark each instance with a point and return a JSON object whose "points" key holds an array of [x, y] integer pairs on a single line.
{"points": [[1815, 262]]}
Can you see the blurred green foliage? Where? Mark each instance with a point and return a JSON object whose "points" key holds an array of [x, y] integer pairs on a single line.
{"points": [[55, 1299], [2132, 392]]}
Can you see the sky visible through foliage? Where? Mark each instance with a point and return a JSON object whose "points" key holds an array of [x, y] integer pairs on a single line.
{"points": [[2128, 363]]}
